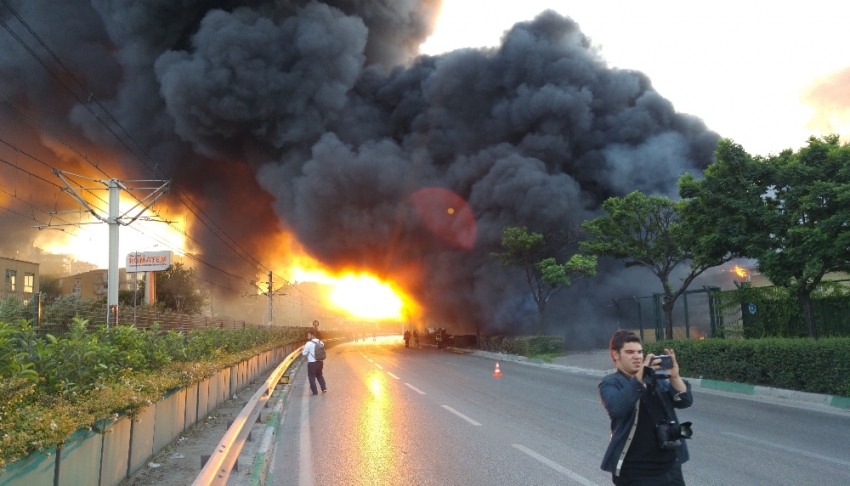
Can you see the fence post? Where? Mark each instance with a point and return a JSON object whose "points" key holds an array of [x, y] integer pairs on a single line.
{"points": [[640, 317], [656, 298], [36, 309], [711, 316]]}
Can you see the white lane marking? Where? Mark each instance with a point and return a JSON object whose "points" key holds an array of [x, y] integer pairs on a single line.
{"points": [[305, 452], [379, 366], [394, 376], [788, 449], [370, 360], [554, 465], [450, 409], [417, 390]]}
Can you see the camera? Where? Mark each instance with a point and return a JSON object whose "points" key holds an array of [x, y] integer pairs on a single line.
{"points": [[666, 361], [669, 433]]}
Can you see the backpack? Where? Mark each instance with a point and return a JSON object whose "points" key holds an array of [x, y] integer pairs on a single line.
{"points": [[319, 351]]}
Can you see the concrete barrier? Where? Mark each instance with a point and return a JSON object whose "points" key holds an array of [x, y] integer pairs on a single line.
{"points": [[84, 447], [116, 452], [141, 438], [38, 468]]}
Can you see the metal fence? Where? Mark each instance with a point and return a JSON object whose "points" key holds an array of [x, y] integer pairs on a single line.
{"points": [[696, 315], [56, 316]]}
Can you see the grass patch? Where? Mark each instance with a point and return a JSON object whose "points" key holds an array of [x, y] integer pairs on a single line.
{"points": [[546, 357]]}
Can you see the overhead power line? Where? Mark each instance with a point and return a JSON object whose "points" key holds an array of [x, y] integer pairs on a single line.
{"points": [[91, 97]]}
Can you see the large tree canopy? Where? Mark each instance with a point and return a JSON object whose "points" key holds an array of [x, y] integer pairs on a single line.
{"points": [[177, 289], [650, 232], [791, 212], [538, 258]]}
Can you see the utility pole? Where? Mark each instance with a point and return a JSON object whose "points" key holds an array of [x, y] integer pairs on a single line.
{"points": [[114, 219], [271, 294]]}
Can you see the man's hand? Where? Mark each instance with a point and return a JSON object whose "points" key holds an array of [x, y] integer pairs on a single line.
{"points": [[675, 380], [647, 362]]}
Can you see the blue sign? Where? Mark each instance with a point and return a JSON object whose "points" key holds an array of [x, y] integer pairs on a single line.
{"points": [[752, 308]]}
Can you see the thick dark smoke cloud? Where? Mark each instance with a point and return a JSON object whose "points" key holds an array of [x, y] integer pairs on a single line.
{"points": [[341, 122]]}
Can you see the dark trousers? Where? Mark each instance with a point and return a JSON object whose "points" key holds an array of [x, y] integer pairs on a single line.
{"points": [[314, 372], [673, 477]]}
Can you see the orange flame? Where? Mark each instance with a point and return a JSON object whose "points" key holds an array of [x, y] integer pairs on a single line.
{"points": [[739, 271], [354, 292]]}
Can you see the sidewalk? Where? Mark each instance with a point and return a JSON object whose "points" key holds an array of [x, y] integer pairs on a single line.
{"points": [[598, 363]]}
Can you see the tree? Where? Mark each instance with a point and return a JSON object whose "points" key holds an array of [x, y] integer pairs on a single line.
{"points": [[791, 212], [649, 231], [177, 289], [131, 298], [543, 274], [49, 286]]}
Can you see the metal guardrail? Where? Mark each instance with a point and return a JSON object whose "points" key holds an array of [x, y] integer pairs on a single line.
{"points": [[218, 467]]}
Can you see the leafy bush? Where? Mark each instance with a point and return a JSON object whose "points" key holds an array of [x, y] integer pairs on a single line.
{"points": [[523, 346], [465, 341], [810, 365], [52, 386]]}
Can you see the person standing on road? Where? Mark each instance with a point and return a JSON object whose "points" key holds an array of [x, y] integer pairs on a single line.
{"points": [[416, 338], [314, 366], [636, 399], [439, 338], [407, 338]]}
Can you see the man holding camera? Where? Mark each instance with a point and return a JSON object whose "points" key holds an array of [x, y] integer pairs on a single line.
{"points": [[646, 445]]}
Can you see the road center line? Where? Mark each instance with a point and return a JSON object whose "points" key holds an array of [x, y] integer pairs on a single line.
{"points": [[394, 376], [554, 465], [370, 360], [417, 390], [379, 366], [788, 449], [450, 409]]}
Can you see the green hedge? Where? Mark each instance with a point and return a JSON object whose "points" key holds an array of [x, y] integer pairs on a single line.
{"points": [[52, 386], [810, 365], [523, 346], [465, 341]]}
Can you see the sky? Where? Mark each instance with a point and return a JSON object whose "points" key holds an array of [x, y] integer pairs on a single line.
{"points": [[766, 74]]}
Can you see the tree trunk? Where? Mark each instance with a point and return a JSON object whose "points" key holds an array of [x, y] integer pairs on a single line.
{"points": [[667, 307], [541, 311], [805, 299]]}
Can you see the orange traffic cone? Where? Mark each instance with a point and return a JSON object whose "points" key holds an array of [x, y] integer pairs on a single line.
{"points": [[497, 373]]}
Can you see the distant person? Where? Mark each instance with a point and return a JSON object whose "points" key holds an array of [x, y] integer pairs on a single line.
{"points": [[314, 366], [646, 445], [439, 337], [416, 338], [374, 336], [407, 338]]}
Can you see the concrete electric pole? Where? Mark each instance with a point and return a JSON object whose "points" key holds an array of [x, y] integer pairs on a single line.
{"points": [[114, 218]]}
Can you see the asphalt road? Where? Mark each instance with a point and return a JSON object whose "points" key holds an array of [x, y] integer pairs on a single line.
{"points": [[425, 417]]}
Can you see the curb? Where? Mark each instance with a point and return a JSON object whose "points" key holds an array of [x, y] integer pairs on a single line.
{"points": [[262, 461], [833, 401]]}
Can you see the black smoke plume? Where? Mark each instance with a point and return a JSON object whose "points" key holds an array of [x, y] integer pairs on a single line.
{"points": [[341, 122]]}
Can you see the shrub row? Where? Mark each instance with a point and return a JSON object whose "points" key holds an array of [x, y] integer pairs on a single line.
{"points": [[50, 387], [810, 365], [523, 346]]}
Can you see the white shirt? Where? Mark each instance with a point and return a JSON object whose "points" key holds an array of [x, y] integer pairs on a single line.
{"points": [[310, 350]]}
